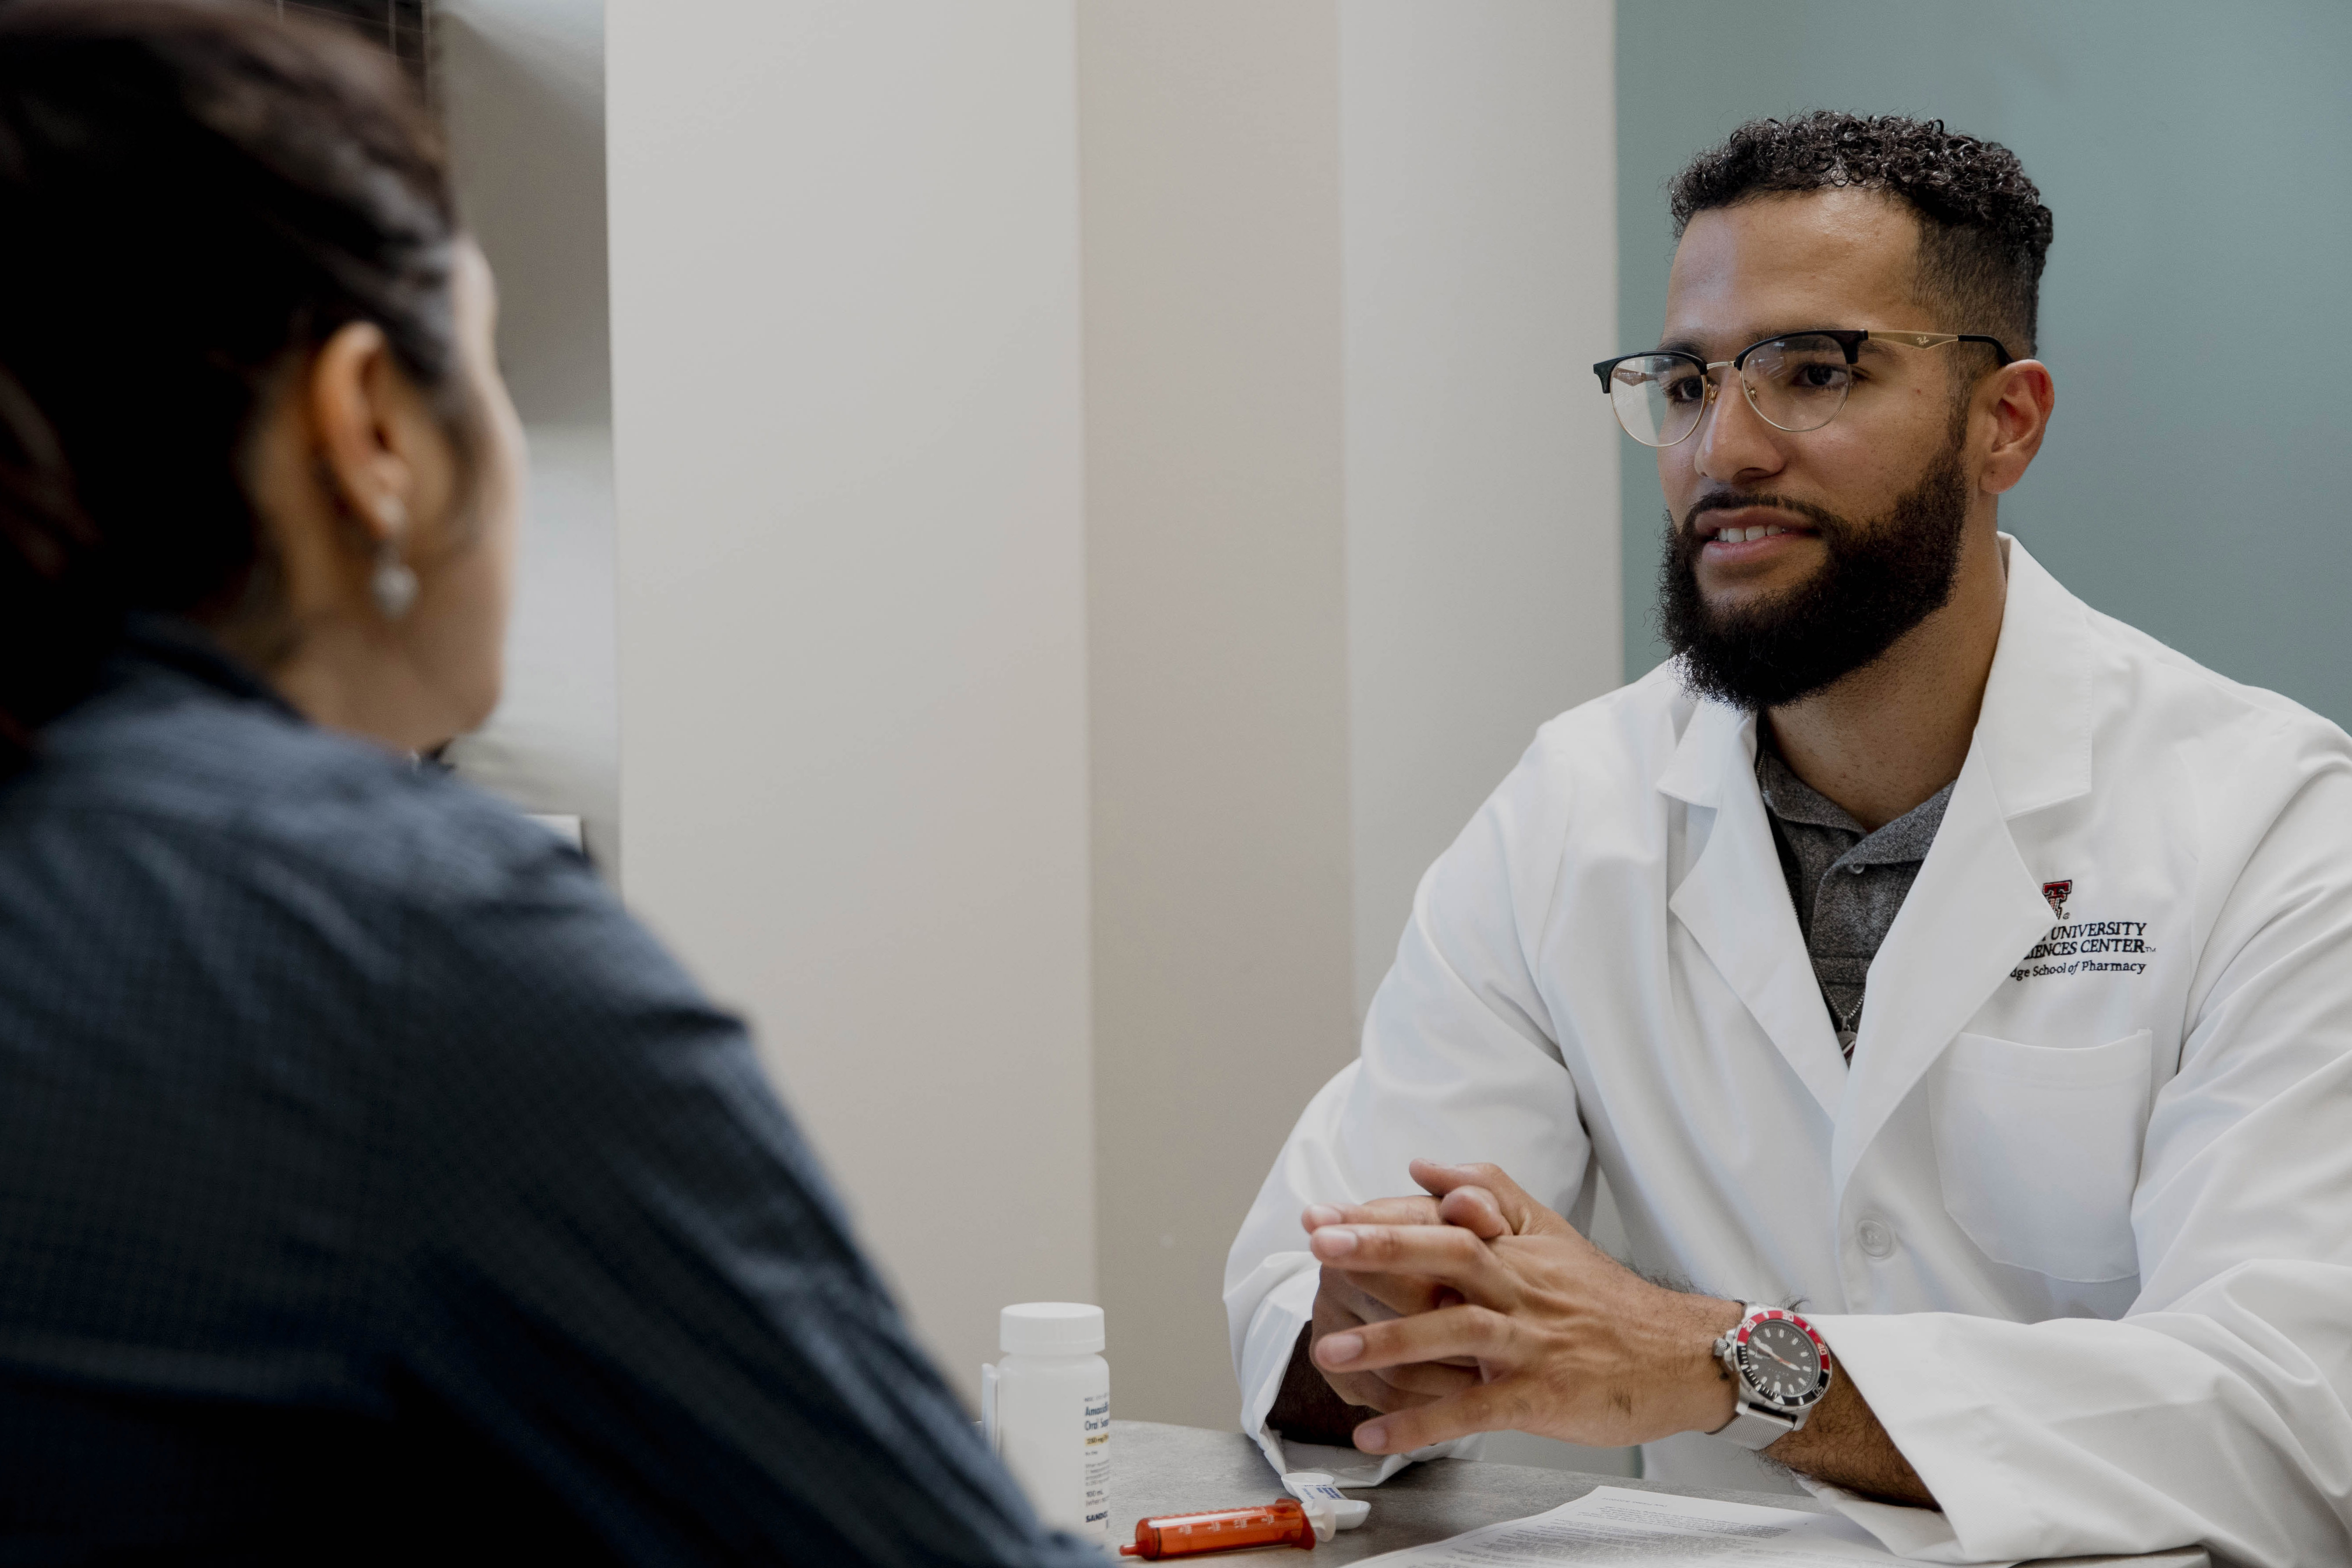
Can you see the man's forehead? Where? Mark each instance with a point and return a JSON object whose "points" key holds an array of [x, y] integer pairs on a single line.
{"points": [[1773, 264]]}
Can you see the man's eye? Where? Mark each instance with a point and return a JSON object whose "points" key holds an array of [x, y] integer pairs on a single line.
{"points": [[1685, 389]]}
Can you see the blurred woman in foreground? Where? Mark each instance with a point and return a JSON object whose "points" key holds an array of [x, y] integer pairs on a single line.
{"points": [[370, 1185]]}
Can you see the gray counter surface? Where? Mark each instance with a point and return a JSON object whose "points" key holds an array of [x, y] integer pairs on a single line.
{"points": [[1157, 1469]]}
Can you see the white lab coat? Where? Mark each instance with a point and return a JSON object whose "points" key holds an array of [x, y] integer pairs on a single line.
{"points": [[2081, 1235]]}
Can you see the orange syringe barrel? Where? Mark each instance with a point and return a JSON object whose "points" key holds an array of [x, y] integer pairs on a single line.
{"points": [[1280, 1523]]}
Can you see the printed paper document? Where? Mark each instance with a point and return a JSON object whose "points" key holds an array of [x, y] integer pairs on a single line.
{"points": [[1609, 1526]]}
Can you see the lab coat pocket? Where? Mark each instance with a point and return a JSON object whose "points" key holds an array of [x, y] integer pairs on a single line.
{"points": [[2038, 1149]]}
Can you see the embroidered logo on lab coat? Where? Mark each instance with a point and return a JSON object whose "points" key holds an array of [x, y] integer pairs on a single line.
{"points": [[2085, 947]]}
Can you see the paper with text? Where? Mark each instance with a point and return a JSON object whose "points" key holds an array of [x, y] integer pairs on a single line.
{"points": [[1609, 1526]]}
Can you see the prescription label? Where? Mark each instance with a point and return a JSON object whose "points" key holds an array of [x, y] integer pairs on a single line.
{"points": [[1097, 1472]]}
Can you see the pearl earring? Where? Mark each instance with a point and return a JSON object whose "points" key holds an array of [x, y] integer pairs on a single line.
{"points": [[392, 583]]}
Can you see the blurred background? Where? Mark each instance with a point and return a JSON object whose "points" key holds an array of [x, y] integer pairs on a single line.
{"points": [[1048, 515]]}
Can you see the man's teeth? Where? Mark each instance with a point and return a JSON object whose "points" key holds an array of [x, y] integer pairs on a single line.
{"points": [[1742, 535]]}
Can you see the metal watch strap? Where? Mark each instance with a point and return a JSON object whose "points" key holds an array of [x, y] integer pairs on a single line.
{"points": [[1753, 1428], [1751, 1425]]}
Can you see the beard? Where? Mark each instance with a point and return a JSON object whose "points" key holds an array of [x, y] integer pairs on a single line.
{"points": [[1880, 579]]}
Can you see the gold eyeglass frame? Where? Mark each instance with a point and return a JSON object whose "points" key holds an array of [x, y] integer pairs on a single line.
{"points": [[1849, 340]]}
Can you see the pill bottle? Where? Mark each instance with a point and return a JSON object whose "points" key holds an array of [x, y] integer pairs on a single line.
{"points": [[1046, 1411]]}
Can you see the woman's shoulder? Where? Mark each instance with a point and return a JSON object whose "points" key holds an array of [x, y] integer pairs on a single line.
{"points": [[215, 847], [247, 789]]}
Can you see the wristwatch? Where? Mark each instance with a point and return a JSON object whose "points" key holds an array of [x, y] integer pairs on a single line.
{"points": [[1779, 1370]]}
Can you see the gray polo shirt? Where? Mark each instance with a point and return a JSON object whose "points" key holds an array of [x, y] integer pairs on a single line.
{"points": [[1848, 883]]}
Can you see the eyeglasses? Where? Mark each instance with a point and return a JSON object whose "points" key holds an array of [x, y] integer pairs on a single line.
{"points": [[1795, 383]]}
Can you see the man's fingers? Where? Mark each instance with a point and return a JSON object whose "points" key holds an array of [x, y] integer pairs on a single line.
{"points": [[1451, 1334], [1412, 1209], [1416, 1382], [1372, 1391], [1380, 1297], [1523, 1214], [1444, 1254], [1374, 1298], [1475, 1210], [1483, 1407], [1345, 1296]]}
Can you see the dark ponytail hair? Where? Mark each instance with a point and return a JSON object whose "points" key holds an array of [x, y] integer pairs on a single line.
{"points": [[193, 197]]}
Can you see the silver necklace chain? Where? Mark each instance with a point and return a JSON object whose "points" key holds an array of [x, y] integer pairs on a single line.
{"points": [[1849, 1027]]}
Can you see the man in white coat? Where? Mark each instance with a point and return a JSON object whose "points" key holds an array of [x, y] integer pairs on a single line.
{"points": [[1953, 984]]}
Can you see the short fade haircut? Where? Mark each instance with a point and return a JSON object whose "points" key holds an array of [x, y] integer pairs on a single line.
{"points": [[1983, 231]]}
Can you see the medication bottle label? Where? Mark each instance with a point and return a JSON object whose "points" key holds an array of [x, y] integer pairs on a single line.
{"points": [[1097, 1472]]}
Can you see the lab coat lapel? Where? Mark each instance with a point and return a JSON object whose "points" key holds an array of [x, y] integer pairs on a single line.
{"points": [[1973, 912], [1735, 901], [1977, 907]]}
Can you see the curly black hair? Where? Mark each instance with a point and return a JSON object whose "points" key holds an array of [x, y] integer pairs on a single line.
{"points": [[1983, 231]]}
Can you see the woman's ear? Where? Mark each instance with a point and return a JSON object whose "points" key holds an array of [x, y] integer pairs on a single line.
{"points": [[373, 433]]}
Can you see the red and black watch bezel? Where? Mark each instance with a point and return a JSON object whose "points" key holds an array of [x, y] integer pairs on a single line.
{"points": [[1756, 1390]]}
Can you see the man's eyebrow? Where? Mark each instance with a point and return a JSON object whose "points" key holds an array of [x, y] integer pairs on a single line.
{"points": [[1698, 350]]}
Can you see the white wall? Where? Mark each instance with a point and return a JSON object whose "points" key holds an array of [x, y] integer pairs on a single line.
{"points": [[1478, 141], [520, 86], [844, 281], [1349, 542], [1216, 539], [1003, 745]]}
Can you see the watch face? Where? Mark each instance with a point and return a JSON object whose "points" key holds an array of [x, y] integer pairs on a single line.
{"points": [[1783, 1360]]}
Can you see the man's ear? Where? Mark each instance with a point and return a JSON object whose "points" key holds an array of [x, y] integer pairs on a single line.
{"points": [[2020, 399]]}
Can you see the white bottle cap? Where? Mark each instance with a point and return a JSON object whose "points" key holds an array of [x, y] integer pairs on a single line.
{"points": [[1320, 1494], [1050, 1328]]}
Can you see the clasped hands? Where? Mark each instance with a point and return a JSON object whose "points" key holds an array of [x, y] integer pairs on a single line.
{"points": [[1476, 1308]]}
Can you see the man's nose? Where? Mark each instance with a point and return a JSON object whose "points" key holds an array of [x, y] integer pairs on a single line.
{"points": [[1733, 440]]}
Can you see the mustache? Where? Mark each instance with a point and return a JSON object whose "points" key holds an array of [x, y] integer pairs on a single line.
{"points": [[1822, 518]]}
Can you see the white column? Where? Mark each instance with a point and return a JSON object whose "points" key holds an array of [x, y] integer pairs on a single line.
{"points": [[846, 314], [1348, 539], [1352, 536], [1216, 554], [1479, 143]]}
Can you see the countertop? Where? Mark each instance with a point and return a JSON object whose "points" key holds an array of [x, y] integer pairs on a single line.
{"points": [[1157, 1469]]}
